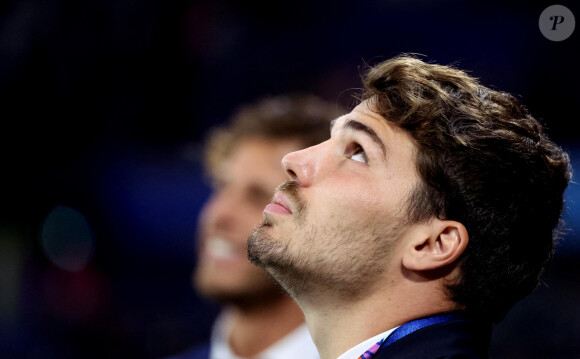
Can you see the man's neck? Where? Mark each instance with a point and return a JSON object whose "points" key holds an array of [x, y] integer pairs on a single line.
{"points": [[337, 327], [257, 328]]}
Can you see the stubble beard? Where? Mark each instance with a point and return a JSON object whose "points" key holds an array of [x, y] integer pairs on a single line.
{"points": [[275, 257], [330, 261], [263, 250], [272, 254]]}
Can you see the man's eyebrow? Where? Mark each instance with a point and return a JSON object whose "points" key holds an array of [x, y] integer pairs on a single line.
{"points": [[358, 126]]}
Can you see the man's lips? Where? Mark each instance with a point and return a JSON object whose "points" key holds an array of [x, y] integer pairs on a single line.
{"points": [[280, 205]]}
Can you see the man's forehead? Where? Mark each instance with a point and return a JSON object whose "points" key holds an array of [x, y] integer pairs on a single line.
{"points": [[362, 113], [365, 109]]}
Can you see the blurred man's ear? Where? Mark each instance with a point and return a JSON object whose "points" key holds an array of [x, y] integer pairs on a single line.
{"points": [[436, 245]]}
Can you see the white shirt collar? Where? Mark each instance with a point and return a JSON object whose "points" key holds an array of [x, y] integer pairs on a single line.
{"points": [[297, 344], [356, 351]]}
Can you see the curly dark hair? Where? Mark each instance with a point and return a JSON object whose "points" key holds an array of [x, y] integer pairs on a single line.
{"points": [[485, 162]]}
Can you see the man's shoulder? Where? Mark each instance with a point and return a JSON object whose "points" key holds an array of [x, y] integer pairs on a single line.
{"points": [[460, 338], [196, 352]]}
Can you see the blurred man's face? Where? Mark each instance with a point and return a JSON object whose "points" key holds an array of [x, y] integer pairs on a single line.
{"points": [[334, 226], [244, 185]]}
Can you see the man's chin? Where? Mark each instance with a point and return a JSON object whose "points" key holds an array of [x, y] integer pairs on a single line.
{"points": [[266, 222], [260, 245]]}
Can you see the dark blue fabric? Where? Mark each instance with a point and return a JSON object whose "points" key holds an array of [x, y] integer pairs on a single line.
{"points": [[414, 325], [458, 337]]}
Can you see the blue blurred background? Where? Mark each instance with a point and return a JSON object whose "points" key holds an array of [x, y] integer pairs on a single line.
{"points": [[103, 107]]}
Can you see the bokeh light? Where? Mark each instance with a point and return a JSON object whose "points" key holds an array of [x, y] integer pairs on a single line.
{"points": [[67, 239]]}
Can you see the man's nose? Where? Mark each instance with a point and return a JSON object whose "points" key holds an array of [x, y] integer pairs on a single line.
{"points": [[302, 166]]}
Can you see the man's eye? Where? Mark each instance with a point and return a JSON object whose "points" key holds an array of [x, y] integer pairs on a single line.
{"points": [[357, 153]]}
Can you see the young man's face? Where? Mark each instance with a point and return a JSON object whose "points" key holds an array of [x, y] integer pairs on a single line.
{"points": [[244, 185], [334, 225]]}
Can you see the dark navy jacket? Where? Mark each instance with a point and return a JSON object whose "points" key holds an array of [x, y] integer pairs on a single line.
{"points": [[458, 338]]}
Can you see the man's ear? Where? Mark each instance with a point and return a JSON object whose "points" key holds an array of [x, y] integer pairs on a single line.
{"points": [[435, 245]]}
